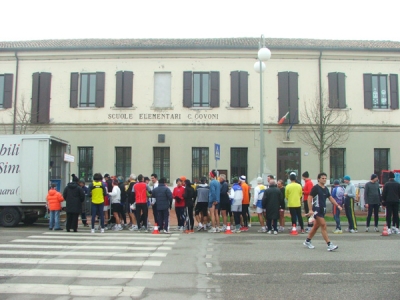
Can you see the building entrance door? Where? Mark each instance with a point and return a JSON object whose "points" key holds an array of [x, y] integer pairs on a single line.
{"points": [[289, 160]]}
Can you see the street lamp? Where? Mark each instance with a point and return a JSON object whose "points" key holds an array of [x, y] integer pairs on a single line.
{"points": [[264, 54]]}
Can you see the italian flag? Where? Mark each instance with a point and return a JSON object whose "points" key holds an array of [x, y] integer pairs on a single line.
{"points": [[283, 118]]}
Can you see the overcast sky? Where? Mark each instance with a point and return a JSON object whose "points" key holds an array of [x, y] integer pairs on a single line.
{"points": [[317, 19]]}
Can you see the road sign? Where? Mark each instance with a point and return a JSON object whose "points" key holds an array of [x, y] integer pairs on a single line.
{"points": [[217, 151]]}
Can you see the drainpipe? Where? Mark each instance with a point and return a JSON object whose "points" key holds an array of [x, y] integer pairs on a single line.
{"points": [[321, 112], [15, 91]]}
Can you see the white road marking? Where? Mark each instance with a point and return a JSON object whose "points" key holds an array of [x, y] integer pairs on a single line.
{"points": [[92, 254], [76, 261], [71, 290], [99, 241], [76, 273], [103, 237], [121, 248], [209, 265]]}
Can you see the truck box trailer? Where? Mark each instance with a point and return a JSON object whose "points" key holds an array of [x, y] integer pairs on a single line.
{"points": [[28, 166]]}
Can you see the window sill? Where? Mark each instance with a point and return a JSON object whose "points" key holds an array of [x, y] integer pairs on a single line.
{"points": [[201, 108], [87, 108], [339, 109], [239, 108], [381, 109], [123, 108], [161, 108]]}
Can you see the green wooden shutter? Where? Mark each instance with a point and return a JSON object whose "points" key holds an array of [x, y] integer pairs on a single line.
{"points": [[44, 98], [187, 89], [214, 97], [8, 89], [394, 91], [235, 89], [100, 82], [283, 95], [244, 89], [73, 98], [35, 97], [368, 91]]}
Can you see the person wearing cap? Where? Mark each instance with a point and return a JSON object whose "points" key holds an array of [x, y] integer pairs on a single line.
{"points": [[236, 197], [281, 186], [294, 193], [338, 195], [225, 203], [390, 200], [372, 198], [213, 201], [74, 196], [245, 203], [163, 197], [201, 209], [349, 197], [177, 194], [81, 183], [317, 203], [257, 202], [308, 185]]}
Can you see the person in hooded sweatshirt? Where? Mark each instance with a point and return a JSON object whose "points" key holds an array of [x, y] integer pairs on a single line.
{"points": [[54, 199], [74, 196]]}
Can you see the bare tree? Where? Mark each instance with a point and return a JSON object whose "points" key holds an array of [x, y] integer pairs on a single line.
{"points": [[23, 119], [325, 127]]}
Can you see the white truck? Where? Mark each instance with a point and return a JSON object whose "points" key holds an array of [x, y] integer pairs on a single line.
{"points": [[28, 166]]}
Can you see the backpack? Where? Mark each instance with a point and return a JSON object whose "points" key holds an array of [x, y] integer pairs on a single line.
{"points": [[338, 193]]}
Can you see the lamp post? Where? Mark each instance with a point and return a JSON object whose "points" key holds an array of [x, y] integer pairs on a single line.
{"points": [[264, 54]]}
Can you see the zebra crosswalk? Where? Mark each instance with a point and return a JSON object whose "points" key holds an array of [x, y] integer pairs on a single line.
{"points": [[109, 265]]}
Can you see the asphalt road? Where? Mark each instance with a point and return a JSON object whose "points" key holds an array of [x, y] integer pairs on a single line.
{"points": [[38, 264]]}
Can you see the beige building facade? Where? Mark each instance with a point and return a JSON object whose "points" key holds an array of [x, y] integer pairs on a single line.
{"points": [[160, 106]]}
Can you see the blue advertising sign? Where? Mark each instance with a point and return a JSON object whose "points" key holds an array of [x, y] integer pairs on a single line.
{"points": [[217, 151]]}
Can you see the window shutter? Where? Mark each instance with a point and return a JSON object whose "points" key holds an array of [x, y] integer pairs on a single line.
{"points": [[368, 91], [187, 89], [73, 98], [283, 95], [128, 89], [119, 87], [100, 81], [244, 89], [394, 91], [293, 97], [35, 97], [44, 98], [8, 87], [235, 89], [333, 90], [214, 98], [341, 78]]}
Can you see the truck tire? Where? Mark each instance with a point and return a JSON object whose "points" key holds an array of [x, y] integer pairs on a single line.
{"points": [[10, 217], [29, 220]]}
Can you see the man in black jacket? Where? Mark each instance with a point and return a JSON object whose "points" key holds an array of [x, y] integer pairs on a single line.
{"points": [[163, 197], [391, 196]]}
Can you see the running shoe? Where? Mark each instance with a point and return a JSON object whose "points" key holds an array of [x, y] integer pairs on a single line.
{"points": [[302, 231], [308, 229], [308, 245], [263, 230], [92, 231], [352, 231], [338, 231], [217, 229], [367, 229], [275, 232], [212, 230], [200, 228], [102, 230], [269, 231], [389, 231], [376, 229], [166, 232], [332, 247]]}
